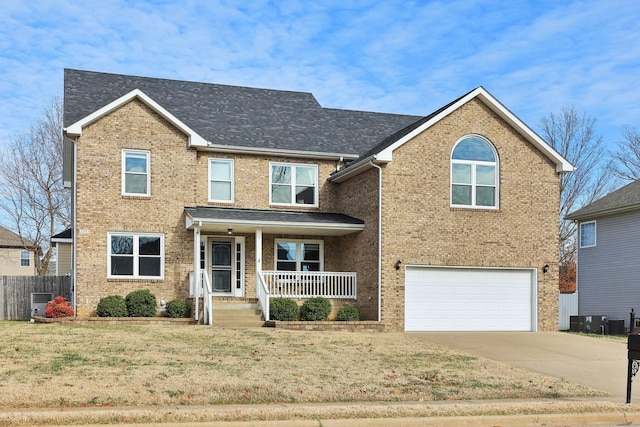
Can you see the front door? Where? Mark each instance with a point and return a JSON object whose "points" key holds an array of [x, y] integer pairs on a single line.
{"points": [[221, 266], [226, 265]]}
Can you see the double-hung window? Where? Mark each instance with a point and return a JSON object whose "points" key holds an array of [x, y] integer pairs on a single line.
{"points": [[136, 173], [25, 258], [221, 180], [299, 255], [587, 234], [474, 174], [135, 255], [293, 184]]}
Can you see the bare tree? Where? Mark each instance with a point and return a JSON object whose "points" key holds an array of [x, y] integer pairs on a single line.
{"points": [[32, 194], [627, 157], [573, 136]]}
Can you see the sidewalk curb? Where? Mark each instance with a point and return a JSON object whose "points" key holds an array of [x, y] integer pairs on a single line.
{"points": [[544, 412]]}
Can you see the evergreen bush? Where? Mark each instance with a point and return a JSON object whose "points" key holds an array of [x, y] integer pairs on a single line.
{"points": [[141, 303], [349, 313], [177, 309], [315, 309], [284, 309], [112, 306]]}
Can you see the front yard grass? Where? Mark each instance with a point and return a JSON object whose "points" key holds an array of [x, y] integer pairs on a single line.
{"points": [[66, 365]]}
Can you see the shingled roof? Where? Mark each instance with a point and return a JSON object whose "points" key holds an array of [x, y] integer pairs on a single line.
{"points": [[9, 239], [239, 116], [624, 199]]}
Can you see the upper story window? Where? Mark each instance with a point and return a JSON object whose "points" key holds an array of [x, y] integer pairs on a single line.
{"points": [[25, 258], [135, 255], [299, 255], [221, 180], [587, 234], [474, 174], [136, 173], [293, 184]]}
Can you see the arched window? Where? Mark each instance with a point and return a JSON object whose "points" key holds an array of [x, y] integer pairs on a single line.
{"points": [[474, 173]]}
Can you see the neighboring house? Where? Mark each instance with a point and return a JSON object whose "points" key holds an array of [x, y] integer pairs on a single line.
{"points": [[16, 255], [608, 253], [443, 222], [63, 243]]}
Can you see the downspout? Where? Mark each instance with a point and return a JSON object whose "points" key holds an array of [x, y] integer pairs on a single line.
{"points": [[74, 230], [379, 239]]}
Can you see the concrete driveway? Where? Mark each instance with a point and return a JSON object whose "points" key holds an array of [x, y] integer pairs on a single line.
{"points": [[591, 361]]}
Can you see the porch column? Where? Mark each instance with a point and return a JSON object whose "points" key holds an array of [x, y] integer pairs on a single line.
{"points": [[258, 255], [196, 268]]}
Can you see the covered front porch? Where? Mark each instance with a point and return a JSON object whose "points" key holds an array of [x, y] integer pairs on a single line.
{"points": [[262, 254]]}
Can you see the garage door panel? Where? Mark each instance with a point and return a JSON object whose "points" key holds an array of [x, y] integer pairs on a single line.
{"points": [[468, 299]]}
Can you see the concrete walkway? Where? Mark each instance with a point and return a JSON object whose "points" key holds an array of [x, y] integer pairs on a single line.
{"points": [[592, 361]]}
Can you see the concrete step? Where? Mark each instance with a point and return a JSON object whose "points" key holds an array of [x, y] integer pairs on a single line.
{"points": [[237, 314]]}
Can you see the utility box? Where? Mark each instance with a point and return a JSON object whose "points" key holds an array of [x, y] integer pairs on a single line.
{"points": [[616, 327], [596, 324], [39, 302]]}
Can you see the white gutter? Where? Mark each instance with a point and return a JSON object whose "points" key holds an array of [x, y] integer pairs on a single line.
{"points": [[234, 149], [379, 239], [351, 170], [225, 222]]}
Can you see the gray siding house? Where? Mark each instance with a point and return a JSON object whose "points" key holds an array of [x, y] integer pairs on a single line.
{"points": [[609, 254]]}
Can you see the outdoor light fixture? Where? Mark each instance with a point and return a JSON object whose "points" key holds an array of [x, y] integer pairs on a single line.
{"points": [[397, 265], [545, 268], [229, 231]]}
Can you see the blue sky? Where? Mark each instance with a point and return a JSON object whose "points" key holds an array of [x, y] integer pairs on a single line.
{"points": [[393, 56]]}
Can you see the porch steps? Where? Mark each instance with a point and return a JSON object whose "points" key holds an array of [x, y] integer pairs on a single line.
{"points": [[237, 314]]}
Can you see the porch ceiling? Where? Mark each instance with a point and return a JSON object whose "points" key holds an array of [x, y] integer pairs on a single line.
{"points": [[219, 219]]}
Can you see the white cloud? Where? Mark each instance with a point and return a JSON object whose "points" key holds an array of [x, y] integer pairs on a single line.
{"points": [[395, 56]]}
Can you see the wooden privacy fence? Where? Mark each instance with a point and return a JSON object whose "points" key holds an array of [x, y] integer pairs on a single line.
{"points": [[15, 293]]}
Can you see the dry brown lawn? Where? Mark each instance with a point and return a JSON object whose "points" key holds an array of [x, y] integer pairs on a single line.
{"points": [[69, 365]]}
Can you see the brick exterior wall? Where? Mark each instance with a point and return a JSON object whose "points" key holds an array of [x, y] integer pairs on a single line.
{"points": [[179, 178], [101, 207], [419, 226]]}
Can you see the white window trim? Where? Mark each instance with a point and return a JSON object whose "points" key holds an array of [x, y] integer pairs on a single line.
{"points": [[293, 184], [147, 154], [595, 234], [27, 258], [298, 252], [136, 236], [474, 185], [231, 179]]}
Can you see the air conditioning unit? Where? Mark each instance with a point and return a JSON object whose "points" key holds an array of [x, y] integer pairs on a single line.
{"points": [[591, 324], [39, 302]]}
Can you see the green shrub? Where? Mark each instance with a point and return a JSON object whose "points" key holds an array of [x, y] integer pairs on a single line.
{"points": [[348, 313], [284, 309], [315, 309], [141, 303], [177, 309], [112, 306]]}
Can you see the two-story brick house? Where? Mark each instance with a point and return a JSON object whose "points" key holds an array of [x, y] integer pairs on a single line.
{"points": [[443, 222]]}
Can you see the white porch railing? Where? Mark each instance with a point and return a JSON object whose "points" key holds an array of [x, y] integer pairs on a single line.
{"points": [[201, 286], [207, 299], [304, 284], [262, 293], [309, 284]]}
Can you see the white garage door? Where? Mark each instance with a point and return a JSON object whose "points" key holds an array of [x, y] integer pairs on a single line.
{"points": [[469, 299]]}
